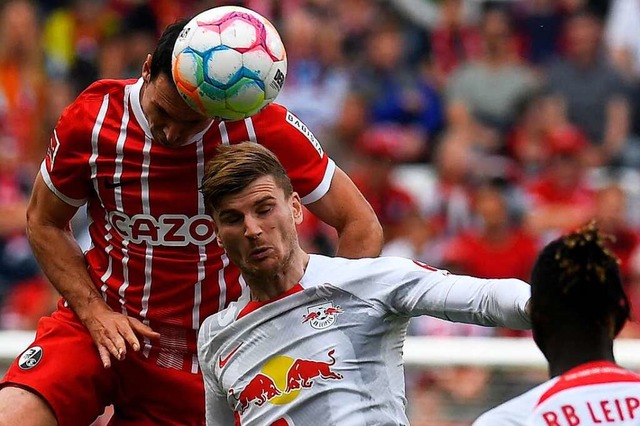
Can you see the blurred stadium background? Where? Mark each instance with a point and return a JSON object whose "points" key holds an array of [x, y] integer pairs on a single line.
{"points": [[478, 130]]}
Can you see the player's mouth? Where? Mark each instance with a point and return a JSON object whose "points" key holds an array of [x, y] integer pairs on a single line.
{"points": [[260, 253]]}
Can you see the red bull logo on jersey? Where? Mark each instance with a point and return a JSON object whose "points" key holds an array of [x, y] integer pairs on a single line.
{"points": [[281, 379], [321, 316], [165, 230]]}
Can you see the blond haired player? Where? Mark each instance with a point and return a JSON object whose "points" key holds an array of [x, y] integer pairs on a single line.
{"points": [[315, 339]]}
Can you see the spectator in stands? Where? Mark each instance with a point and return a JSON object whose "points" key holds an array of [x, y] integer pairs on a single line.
{"points": [[611, 214], [594, 92], [453, 41], [394, 90], [540, 25], [381, 148], [578, 307], [315, 71], [560, 199], [482, 95], [621, 35], [17, 263], [476, 250], [449, 203], [22, 82]]}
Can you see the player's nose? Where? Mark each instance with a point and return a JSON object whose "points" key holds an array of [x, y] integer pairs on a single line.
{"points": [[252, 228], [172, 134]]}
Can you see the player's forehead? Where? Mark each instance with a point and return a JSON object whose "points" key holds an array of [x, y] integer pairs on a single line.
{"points": [[264, 189], [166, 96]]}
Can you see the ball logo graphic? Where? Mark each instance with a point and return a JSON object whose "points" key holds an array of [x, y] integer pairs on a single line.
{"points": [[229, 62], [30, 358]]}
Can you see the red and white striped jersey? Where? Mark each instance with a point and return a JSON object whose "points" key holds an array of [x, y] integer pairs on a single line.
{"points": [[591, 394], [152, 255]]}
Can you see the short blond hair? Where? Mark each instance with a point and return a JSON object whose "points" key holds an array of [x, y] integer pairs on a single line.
{"points": [[236, 166]]}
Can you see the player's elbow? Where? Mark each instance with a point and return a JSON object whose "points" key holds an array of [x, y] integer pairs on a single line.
{"points": [[375, 235]]}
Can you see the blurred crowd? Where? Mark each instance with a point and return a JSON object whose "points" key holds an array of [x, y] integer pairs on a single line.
{"points": [[478, 130]]}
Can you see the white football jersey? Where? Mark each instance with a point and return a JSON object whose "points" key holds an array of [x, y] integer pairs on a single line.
{"points": [[595, 393], [329, 351]]}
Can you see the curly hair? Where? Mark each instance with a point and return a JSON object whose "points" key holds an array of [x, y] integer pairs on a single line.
{"points": [[577, 276]]}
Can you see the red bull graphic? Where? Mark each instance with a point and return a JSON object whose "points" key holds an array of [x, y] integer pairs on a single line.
{"points": [[281, 380], [321, 316], [303, 371], [259, 390]]}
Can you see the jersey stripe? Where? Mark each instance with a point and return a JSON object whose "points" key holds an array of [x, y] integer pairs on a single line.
{"points": [[148, 259], [95, 133], [248, 122], [118, 196], [224, 135]]}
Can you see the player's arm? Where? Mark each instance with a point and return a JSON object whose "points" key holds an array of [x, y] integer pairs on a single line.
{"points": [[346, 209], [62, 261], [409, 288]]}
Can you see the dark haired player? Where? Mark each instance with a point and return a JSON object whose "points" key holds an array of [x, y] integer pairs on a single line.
{"points": [[578, 306], [134, 153]]}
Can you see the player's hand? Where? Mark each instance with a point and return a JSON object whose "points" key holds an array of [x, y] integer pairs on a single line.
{"points": [[112, 331]]}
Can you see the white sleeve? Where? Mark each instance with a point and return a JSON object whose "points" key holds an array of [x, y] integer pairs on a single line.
{"points": [[217, 409], [409, 288]]}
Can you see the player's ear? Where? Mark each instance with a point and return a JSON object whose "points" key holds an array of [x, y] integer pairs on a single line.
{"points": [[146, 68], [296, 205], [220, 243]]}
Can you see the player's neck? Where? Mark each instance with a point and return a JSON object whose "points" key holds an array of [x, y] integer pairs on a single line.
{"points": [[568, 352], [267, 287]]}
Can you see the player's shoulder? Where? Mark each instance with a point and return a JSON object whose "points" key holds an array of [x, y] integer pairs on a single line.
{"points": [[515, 411], [216, 323], [381, 269], [90, 100], [99, 88], [270, 112]]}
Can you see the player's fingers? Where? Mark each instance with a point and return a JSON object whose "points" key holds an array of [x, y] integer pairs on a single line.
{"points": [[119, 344], [105, 356], [130, 336], [143, 329]]}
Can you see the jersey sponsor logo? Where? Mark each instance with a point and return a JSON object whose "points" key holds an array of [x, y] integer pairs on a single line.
{"points": [[223, 361], [321, 316], [295, 122], [281, 379], [596, 411], [30, 358], [165, 230]]}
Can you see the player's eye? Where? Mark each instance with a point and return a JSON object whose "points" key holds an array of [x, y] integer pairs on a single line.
{"points": [[231, 219], [265, 210]]}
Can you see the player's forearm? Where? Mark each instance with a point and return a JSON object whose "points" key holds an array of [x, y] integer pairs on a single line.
{"points": [[493, 302], [360, 238], [63, 263]]}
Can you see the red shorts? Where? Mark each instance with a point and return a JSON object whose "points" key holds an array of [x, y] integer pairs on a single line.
{"points": [[62, 365]]}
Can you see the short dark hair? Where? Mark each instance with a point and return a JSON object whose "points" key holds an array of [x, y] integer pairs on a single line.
{"points": [[577, 276], [161, 56], [236, 166]]}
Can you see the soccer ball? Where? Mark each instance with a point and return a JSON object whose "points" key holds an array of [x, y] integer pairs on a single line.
{"points": [[229, 62]]}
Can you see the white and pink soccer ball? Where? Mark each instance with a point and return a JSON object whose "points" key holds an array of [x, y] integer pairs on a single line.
{"points": [[229, 62]]}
